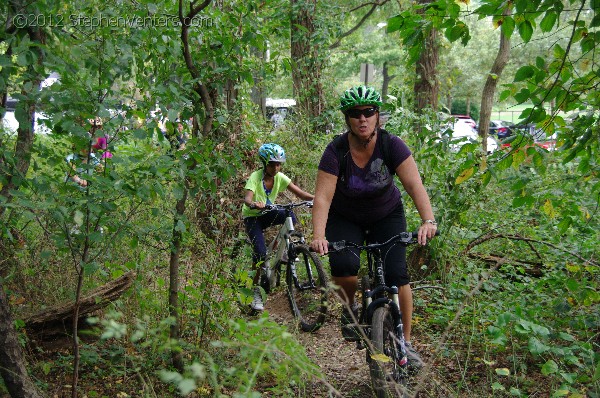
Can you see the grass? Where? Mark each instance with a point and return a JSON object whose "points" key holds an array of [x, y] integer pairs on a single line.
{"points": [[511, 113]]}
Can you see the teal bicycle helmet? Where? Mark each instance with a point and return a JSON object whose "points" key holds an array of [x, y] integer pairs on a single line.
{"points": [[271, 153], [359, 95]]}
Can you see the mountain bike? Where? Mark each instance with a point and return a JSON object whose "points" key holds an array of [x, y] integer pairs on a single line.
{"points": [[380, 319], [305, 280]]}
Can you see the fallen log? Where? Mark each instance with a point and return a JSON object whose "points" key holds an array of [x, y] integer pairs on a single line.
{"points": [[58, 320], [530, 268]]}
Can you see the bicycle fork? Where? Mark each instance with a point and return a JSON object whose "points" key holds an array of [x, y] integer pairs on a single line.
{"points": [[394, 306]]}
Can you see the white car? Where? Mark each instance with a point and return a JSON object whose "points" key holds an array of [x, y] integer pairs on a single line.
{"points": [[463, 131], [10, 124]]}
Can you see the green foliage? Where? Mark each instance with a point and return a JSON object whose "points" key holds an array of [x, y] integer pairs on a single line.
{"points": [[459, 107], [532, 316]]}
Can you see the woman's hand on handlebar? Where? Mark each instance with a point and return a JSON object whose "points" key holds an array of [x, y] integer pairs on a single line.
{"points": [[426, 232], [319, 246]]}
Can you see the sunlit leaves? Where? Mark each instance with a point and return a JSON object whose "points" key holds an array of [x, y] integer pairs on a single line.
{"points": [[381, 358], [502, 371], [558, 51], [465, 175], [549, 209], [548, 21]]}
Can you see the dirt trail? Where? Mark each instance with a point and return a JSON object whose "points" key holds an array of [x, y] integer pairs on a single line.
{"points": [[342, 364], [345, 367]]}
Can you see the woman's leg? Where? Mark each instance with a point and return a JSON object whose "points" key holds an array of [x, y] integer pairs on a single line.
{"points": [[348, 285], [344, 270]]}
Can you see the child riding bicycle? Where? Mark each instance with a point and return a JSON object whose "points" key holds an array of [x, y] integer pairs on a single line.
{"points": [[262, 189]]}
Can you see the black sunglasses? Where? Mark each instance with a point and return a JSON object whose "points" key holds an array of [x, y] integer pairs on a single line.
{"points": [[355, 113]]}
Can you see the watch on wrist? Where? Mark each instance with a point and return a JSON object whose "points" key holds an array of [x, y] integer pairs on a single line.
{"points": [[432, 222]]}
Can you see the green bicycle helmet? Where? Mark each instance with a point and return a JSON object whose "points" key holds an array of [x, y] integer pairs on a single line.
{"points": [[359, 95], [271, 153]]}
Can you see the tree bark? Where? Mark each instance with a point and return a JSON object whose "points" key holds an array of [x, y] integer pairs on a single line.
{"points": [[206, 102], [386, 81], [427, 86], [487, 98], [307, 65], [12, 360]]}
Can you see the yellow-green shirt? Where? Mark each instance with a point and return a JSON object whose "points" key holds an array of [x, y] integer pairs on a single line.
{"points": [[255, 184]]}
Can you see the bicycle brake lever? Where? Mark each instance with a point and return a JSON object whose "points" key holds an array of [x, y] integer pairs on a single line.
{"points": [[337, 246]]}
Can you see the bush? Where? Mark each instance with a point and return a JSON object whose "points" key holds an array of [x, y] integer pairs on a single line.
{"points": [[459, 107]]}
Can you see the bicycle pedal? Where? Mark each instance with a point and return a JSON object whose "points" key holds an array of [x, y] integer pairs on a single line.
{"points": [[360, 345]]}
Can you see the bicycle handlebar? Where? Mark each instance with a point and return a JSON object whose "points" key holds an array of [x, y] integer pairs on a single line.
{"points": [[404, 238], [289, 206]]}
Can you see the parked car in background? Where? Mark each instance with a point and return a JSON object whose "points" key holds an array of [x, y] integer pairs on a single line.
{"points": [[10, 124], [463, 132], [501, 128], [465, 118], [531, 132], [279, 109]]}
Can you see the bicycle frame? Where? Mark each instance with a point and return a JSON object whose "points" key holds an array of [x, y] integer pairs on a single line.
{"points": [[281, 241], [379, 295], [376, 296], [281, 246]]}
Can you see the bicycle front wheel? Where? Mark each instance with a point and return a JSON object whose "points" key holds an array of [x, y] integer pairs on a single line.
{"points": [[387, 365], [307, 289]]}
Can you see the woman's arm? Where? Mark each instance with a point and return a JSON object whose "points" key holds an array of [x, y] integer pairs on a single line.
{"points": [[411, 181], [326, 184], [293, 188]]}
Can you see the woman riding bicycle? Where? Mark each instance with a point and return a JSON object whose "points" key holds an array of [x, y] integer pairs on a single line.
{"points": [[356, 193], [262, 189]]}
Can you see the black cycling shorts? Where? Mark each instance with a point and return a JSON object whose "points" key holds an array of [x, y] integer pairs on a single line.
{"points": [[347, 262]]}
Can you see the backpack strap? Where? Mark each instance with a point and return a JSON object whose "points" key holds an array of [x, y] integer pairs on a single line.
{"points": [[342, 150]]}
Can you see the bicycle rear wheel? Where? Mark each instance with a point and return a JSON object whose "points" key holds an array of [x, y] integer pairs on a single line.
{"points": [[307, 289], [388, 374]]}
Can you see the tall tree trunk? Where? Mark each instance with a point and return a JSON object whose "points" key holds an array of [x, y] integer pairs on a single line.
{"points": [[206, 104], [427, 86], [12, 360], [386, 81], [175, 332], [306, 63], [487, 98], [257, 93]]}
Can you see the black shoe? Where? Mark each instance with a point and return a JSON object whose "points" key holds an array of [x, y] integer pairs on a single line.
{"points": [[414, 359], [349, 324]]}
